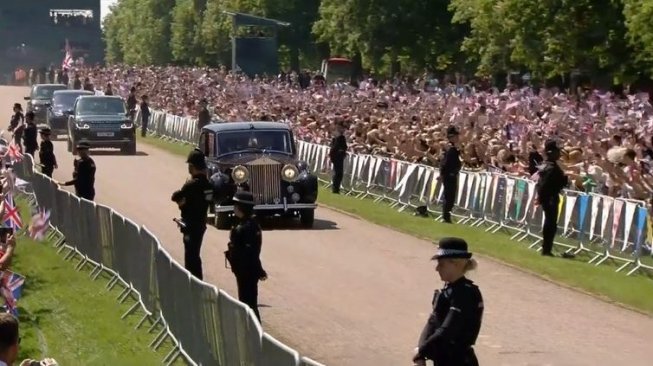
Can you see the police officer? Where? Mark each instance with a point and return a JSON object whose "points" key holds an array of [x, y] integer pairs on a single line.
{"points": [[193, 200], [84, 173], [245, 250], [16, 124], [449, 169], [337, 154], [551, 182], [455, 322], [30, 134], [46, 153], [204, 116]]}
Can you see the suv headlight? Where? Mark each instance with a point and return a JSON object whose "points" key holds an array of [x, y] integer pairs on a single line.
{"points": [[289, 173], [240, 174], [82, 126], [126, 125]]}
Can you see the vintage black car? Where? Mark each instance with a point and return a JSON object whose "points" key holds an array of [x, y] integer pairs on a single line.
{"points": [[260, 157], [40, 98], [62, 102], [103, 121]]}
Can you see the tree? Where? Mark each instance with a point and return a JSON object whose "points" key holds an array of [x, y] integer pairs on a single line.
{"points": [[638, 15]]}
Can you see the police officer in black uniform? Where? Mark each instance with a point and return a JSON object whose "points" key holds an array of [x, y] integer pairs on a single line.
{"points": [[551, 182], [337, 154], [84, 173], [30, 134], [204, 116], [46, 153], [455, 322], [449, 169], [245, 250], [193, 200]]}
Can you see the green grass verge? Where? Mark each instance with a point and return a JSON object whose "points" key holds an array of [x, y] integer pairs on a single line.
{"points": [[632, 291], [66, 315]]}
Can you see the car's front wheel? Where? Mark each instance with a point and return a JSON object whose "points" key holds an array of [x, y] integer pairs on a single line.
{"points": [[307, 218], [129, 149]]}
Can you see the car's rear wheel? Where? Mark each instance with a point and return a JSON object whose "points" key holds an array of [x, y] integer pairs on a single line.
{"points": [[222, 220], [307, 218]]}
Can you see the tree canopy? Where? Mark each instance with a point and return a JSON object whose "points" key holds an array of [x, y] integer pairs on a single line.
{"points": [[610, 41]]}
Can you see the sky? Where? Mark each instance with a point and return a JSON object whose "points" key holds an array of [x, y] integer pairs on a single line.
{"points": [[105, 6]]}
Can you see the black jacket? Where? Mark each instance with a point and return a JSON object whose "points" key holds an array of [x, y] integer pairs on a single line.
{"points": [[46, 154], [30, 137], [197, 194], [338, 149], [451, 164], [551, 182], [83, 176], [244, 252]]}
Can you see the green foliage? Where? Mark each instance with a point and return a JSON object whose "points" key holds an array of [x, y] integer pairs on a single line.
{"points": [[551, 38]]}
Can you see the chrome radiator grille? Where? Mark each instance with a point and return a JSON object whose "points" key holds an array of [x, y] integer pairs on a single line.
{"points": [[265, 183]]}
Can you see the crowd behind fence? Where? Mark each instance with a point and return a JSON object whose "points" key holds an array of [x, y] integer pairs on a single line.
{"points": [[207, 325], [601, 228]]}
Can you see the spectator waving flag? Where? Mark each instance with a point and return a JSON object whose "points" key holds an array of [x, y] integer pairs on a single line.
{"points": [[8, 180], [11, 285], [14, 153], [68, 59], [11, 215], [39, 224]]}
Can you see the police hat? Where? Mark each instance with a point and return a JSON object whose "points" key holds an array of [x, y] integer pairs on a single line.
{"points": [[83, 145], [45, 130], [452, 248], [244, 198], [196, 159], [551, 146], [452, 131], [19, 106]]}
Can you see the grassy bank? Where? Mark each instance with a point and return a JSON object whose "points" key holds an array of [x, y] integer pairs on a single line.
{"points": [[634, 291], [66, 315]]}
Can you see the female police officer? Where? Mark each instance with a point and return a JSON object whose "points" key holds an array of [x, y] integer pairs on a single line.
{"points": [[453, 327], [245, 250]]}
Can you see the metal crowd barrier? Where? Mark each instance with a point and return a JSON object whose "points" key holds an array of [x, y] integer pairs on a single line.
{"points": [[207, 325], [604, 229]]}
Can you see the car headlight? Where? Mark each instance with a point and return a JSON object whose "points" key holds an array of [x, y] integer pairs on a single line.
{"points": [[126, 125], [82, 126], [289, 173], [57, 113], [239, 174]]}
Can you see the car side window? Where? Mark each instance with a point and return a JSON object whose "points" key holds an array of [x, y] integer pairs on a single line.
{"points": [[202, 143], [210, 144]]}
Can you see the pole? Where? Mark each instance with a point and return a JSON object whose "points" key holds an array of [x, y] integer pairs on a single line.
{"points": [[234, 28]]}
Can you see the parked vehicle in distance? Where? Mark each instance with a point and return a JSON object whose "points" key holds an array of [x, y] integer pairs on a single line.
{"points": [[260, 157], [40, 98], [57, 113], [103, 121]]}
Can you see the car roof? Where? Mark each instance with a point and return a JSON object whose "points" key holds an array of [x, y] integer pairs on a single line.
{"points": [[240, 126], [73, 91], [100, 97], [42, 85]]}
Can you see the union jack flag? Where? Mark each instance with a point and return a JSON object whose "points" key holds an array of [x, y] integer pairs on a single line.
{"points": [[68, 59], [11, 287], [11, 216], [39, 225], [14, 153]]}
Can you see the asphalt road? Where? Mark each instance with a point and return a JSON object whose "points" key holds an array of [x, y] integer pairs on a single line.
{"points": [[352, 293]]}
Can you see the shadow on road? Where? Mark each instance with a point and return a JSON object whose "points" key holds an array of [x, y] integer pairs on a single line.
{"points": [[279, 223], [115, 153]]}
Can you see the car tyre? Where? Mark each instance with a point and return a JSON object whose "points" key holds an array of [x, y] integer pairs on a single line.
{"points": [[129, 149], [307, 218], [222, 220]]}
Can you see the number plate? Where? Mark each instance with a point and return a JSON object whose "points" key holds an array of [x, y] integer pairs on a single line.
{"points": [[106, 134]]}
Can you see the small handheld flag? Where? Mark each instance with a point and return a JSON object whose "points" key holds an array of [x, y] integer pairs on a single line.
{"points": [[11, 217], [14, 153], [39, 224]]}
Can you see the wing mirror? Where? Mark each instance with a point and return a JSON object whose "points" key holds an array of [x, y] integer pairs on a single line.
{"points": [[69, 111], [27, 98]]}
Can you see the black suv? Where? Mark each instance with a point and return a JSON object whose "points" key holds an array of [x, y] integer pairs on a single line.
{"points": [[40, 98], [62, 102], [103, 121]]}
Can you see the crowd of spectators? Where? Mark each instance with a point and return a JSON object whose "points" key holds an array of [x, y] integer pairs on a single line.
{"points": [[607, 138], [71, 20]]}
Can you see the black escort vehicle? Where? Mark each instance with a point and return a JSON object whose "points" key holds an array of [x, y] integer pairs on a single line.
{"points": [[62, 102]]}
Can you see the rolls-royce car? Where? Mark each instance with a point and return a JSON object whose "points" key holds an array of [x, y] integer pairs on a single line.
{"points": [[40, 98], [259, 157], [57, 113], [103, 121]]}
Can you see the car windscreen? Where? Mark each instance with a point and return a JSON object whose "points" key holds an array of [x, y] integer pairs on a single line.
{"points": [[64, 101], [45, 92], [268, 140], [100, 106]]}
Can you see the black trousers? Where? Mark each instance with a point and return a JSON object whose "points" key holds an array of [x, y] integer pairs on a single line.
{"points": [[47, 170], [248, 292], [456, 357], [192, 245], [450, 186], [87, 194], [550, 209], [338, 172], [30, 150], [144, 123]]}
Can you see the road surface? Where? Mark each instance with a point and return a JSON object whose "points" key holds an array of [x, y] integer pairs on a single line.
{"points": [[351, 293]]}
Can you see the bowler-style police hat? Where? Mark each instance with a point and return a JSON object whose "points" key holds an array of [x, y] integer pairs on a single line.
{"points": [[452, 131], [45, 131], [83, 145], [244, 198], [196, 159], [452, 248], [551, 146]]}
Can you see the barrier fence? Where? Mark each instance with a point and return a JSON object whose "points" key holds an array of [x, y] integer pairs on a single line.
{"points": [[604, 229], [207, 325]]}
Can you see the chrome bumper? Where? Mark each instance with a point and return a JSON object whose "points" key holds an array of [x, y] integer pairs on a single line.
{"points": [[280, 206]]}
